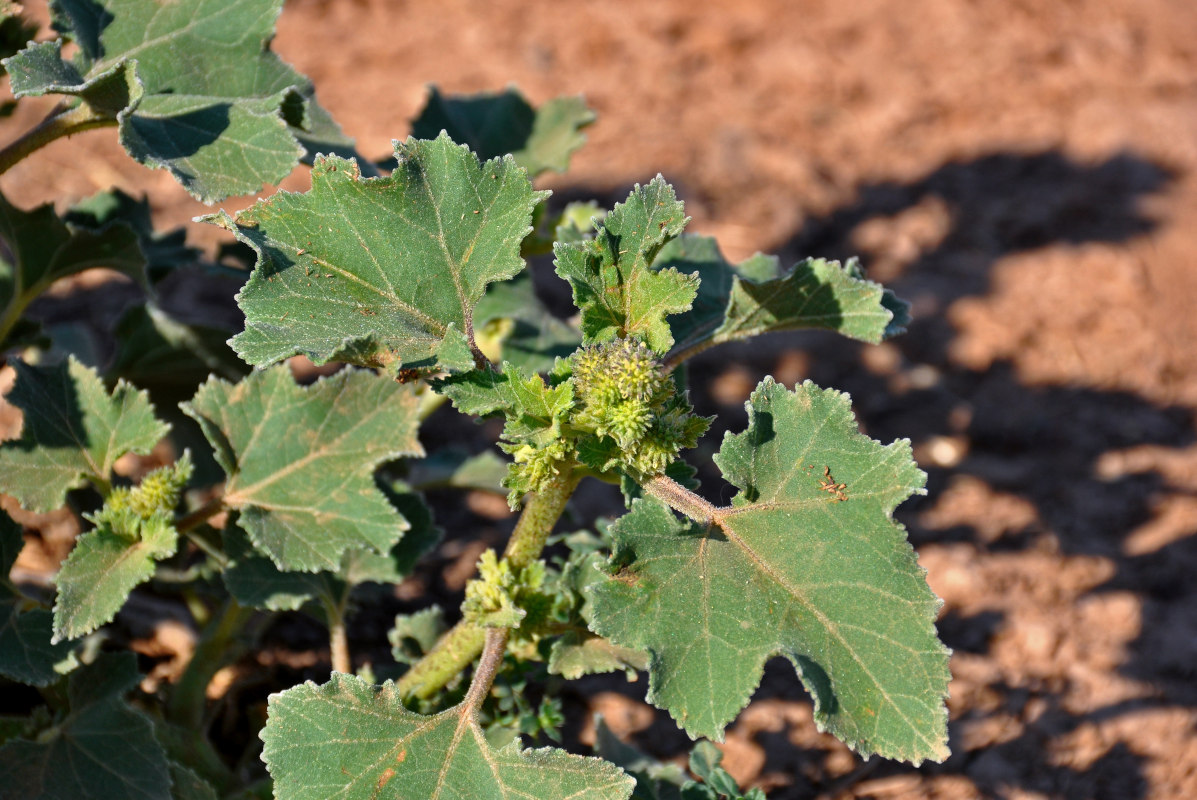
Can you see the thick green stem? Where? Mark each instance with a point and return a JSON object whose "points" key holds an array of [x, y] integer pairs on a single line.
{"points": [[458, 648], [62, 122], [217, 646], [338, 639]]}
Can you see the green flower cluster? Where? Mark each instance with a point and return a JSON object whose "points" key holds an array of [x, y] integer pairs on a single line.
{"points": [[129, 509], [609, 406], [621, 393]]}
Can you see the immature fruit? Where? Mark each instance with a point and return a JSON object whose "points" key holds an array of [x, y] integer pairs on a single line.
{"points": [[623, 393]]}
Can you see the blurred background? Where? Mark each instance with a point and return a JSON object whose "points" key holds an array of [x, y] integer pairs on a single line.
{"points": [[1022, 172]]}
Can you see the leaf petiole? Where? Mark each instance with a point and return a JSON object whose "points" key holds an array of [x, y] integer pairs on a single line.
{"points": [[62, 121]]}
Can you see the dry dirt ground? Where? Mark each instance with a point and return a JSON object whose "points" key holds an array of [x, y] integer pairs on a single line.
{"points": [[1026, 174]]}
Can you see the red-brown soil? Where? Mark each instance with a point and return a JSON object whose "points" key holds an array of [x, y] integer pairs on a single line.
{"points": [[1026, 174]]}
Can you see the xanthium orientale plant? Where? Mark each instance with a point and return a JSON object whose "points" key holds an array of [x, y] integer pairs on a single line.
{"points": [[281, 497]]}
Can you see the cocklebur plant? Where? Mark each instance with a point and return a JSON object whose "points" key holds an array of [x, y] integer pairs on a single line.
{"points": [[412, 274]]}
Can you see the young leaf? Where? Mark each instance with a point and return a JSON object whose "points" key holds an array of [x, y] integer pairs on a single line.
{"points": [[354, 741], [807, 562], [378, 272], [106, 564], [744, 300], [102, 749], [73, 430], [224, 120], [301, 460], [37, 248], [26, 652], [619, 294], [494, 125]]}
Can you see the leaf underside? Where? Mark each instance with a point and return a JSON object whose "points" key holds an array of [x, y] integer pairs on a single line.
{"points": [[301, 460], [739, 301], [349, 740], [808, 563], [495, 124], [381, 272]]}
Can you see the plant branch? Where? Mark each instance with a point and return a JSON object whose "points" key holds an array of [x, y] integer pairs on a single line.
{"points": [[218, 645], [488, 666], [674, 360], [338, 639], [679, 498], [61, 122], [454, 651]]}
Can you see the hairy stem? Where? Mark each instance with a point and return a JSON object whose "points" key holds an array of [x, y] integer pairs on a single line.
{"points": [[488, 666], [188, 523], [61, 122], [338, 639], [679, 498], [674, 360], [218, 645], [459, 647]]}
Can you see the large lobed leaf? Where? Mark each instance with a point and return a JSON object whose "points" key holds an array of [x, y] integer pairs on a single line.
{"points": [[301, 460], [495, 124], [349, 740], [74, 429], [381, 272], [193, 86], [102, 749], [739, 301], [618, 292], [808, 563]]}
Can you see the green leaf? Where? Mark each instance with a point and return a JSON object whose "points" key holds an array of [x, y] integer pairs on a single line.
{"points": [[301, 460], [106, 564], [574, 655], [741, 301], [619, 294], [163, 252], [193, 87], [693, 253], [533, 408], [525, 332], [187, 785], [73, 430], [350, 740], [170, 358], [134, 529], [255, 580], [103, 748], [495, 124], [26, 651], [808, 563], [378, 272], [458, 470], [37, 248], [413, 635]]}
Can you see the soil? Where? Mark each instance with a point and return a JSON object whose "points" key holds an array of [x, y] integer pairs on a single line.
{"points": [[1026, 174]]}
